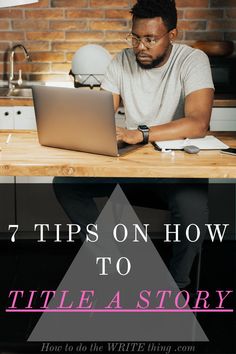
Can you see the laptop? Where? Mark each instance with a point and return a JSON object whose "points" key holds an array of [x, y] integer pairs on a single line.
{"points": [[77, 119]]}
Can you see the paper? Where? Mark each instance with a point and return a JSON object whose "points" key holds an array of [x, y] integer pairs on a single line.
{"points": [[208, 143]]}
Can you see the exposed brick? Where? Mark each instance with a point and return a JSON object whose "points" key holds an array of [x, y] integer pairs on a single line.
{"points": [[223, 3], [85, 36], [108, 25], [41, 3], [202, 35], [203, 14], [11, 13], [69, 56], [110, 3], [44, 14], [230, 13], [69, 3], [115, 47], [221, 25], [116, 36], [12, 36], [180, 14], [67, 46], [192, 3], [30, 25], [32, 67], [85, 14], [231, 36], [68, 25], [61, 67], [35, 46], [2, 57], [4, 46], [180, 36], [117, 14], [47, 36], [48, 57], [191, 25], [4, 25]]}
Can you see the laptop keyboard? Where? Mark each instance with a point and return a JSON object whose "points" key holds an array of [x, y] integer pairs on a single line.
{"points": [[121, 144]]}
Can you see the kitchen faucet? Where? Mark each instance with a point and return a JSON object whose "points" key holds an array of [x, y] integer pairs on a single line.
{"points": [[11, 85]]}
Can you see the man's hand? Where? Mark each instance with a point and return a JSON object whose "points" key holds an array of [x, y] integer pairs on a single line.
{"points": [[129, 136]]}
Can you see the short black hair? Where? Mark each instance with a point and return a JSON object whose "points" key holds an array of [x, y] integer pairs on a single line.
{"points": [[166, 9]]}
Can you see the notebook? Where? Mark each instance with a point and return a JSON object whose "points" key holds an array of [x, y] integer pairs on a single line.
{"points": [[210, 142]]}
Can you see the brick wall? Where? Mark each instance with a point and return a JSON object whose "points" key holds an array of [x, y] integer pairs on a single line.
{"points": [[53, 30]]}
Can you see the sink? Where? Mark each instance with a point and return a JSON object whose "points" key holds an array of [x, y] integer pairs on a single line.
{"points": [[24, 92], [3, 91], [21, 92]]}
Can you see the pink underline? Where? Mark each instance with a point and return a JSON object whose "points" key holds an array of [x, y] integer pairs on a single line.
{"points": [[117, 311]]}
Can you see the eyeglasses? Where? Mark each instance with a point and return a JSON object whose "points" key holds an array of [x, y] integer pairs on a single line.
{"points": [[148, 41]]}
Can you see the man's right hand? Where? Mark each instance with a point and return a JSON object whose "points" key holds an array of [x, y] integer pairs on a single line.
{"points": [[129, 136]]}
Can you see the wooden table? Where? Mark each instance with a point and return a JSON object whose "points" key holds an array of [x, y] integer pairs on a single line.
{"points": [[23, 156]]}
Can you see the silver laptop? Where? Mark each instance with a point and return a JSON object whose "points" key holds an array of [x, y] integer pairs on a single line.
{"points": [[77, 119]]}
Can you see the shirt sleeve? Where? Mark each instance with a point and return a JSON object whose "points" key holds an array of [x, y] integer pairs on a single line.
{"points": [[112, 77], [197, 72]]}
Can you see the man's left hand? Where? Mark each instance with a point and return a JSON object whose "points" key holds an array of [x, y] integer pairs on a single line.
{"points": [[129, 136]]}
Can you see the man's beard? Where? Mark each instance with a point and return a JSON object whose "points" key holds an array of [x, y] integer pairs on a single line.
{"points": [[153, 64], [156, 62]]}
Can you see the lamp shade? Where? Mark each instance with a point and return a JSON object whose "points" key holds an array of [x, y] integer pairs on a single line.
{"points": [[89, 64], [8, 3]]}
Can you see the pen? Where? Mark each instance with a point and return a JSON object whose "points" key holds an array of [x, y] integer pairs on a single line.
{"points": [[8, 139], [156, 147]]}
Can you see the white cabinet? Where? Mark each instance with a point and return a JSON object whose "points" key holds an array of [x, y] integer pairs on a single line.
{"points": [[18, 117], [24, 118], [6, 117], [223, 119]]}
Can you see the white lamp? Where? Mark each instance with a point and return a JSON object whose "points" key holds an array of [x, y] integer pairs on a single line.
{"points": [[8, 3], [89, 65]]}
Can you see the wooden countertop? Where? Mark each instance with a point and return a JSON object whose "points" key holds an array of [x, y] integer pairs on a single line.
{"points": [[223, 100], [23, 156], [219, 101], [5, 102]]}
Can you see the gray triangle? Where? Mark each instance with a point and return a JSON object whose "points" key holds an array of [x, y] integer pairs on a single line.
{"points": [[148, 272]]}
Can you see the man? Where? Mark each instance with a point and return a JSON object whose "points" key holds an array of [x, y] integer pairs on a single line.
{"points": [[167, 91], [166, 86]]}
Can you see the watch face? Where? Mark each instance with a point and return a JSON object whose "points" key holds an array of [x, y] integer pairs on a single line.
{"points": [[143, 127]]}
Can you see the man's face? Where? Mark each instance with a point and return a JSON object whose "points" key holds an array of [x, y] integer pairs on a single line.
{"points": [[149, 58]]}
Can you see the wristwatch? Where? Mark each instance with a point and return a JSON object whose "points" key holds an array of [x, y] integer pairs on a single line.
{"points": [[145, 130]]}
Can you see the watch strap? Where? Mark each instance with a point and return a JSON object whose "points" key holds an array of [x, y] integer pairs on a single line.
{"points": [[145, 131], [145, 136]]}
